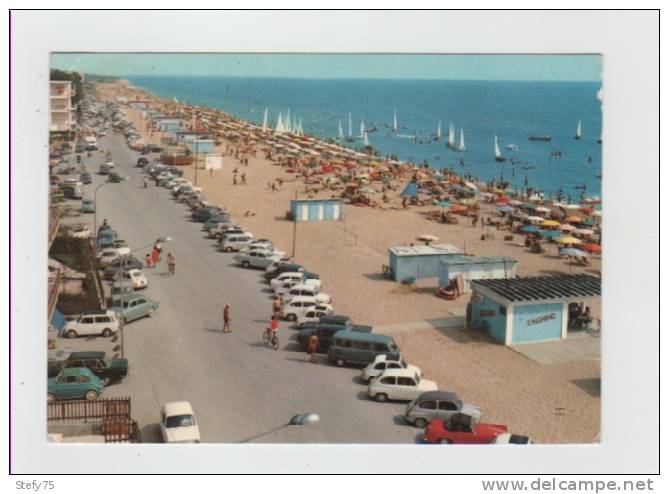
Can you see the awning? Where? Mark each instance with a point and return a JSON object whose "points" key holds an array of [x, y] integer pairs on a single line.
{"points": [[58, 320]]}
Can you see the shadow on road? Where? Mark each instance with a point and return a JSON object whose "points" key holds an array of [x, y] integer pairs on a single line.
{"points": [[362, 395], [256, 344], [303, 360], [400, 420], [358, 380], [214, 330], [151, 434]]}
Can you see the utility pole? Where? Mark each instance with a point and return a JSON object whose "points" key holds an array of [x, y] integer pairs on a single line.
{"points": [[195, 161], [295, 227]]}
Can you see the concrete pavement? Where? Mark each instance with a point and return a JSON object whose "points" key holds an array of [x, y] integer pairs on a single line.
{"points": [[238, 388]]}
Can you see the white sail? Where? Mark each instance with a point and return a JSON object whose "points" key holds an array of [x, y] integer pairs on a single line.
{"points": [[362, 129], [286, 122], [497, 153], [395, 120], [350, 125], [294, 127], [578, 130], [340, 133], [300, 131], [439, 130], [451, 135], [462, 147], [365, 140], [264, 121], [279, 124]]}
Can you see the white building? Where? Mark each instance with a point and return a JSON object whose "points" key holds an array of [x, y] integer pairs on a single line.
{"points": [[60, 106]]}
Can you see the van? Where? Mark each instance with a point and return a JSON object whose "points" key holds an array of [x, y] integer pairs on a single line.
{"points": [[235, 242], [351, 347]]}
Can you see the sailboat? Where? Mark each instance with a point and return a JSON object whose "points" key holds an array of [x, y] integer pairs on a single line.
{"points": [[264, 121], [498, 155], [451, 136], [438, 134], [300, 130], [279, 125], [365, 140], [340, 133], [349, 138], [362, 129], [462, 147], [578, 131], [395, 120]]}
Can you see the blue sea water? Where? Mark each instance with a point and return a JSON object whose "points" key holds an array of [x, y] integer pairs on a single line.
{"points": [[511, 110]]}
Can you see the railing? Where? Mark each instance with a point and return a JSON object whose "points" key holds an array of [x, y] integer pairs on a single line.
{"points": [[88, 411], [121, 430]]}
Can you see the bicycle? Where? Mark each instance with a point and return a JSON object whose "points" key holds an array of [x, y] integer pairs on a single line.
{"points": [[270, 338]]}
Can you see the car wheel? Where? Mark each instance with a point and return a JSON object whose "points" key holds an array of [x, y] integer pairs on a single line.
{"points": [[420, 423], [71, 334], [445, 441], [381, 397], [152, 311], [91, 395], [291, 317], [245, 264], [50, 398], [107, 332]]}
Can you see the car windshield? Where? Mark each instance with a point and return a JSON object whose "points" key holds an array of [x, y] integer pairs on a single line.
{"points": [[180, 421]]}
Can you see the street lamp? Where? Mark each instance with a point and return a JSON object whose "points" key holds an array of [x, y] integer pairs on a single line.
{"points": [[95, 213], [302, 419], [122, 261]]}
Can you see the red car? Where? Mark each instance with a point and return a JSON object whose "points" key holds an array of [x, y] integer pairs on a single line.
{"points": [[461, 429]]}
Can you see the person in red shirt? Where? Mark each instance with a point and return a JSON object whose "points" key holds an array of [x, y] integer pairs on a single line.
{"points": [[313, 348]]}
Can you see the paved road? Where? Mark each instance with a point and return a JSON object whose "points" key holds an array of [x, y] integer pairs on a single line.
{"points": [[238, 388]]}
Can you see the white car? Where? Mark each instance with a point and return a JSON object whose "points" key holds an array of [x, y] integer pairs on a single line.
{"points": [[287, 276], [254, 259], [508, 438], [137, 277], [109, 255], [314, 314], [285, 287], [178, 423], [235, 241], [101, 322], [298, 306], [307, 290], [399, 384], [262, 248], [382, 363]]}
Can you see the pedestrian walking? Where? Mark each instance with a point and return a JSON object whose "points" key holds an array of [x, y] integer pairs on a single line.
{"points": [[226, 319], [313, 348], [149, 261], [146, 183], [234, 180], [171, 263], [211, 172], [243, 178]]}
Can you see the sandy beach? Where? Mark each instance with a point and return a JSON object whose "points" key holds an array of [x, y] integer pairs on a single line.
{"points": [[349, 255]]}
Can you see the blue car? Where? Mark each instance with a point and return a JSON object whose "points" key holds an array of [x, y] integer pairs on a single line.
{"points": [[106, 238], [74, 383], [135, 307]]}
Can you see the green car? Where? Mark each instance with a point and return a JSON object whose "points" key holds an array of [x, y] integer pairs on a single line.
{"points": [[88, 206], [135, 307], [74, 383]]}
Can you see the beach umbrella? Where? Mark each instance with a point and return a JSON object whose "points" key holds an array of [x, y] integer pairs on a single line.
{"points": [[471, 185], [542, 209], [583, 231], [569, 241], [530, 229], [535, 219], [567, 227], [550, 233], [503, 200], [592, 248], [427, 238], [571, 206], [573, 219], [515, 202], [550, 223], [505, 209], [573, 253], [411, 190]]}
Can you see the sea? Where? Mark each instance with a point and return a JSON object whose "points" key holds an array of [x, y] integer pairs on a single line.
{"points": [[510, 110]]}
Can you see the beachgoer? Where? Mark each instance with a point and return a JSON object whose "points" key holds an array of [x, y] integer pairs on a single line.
{"points": [[234, 180], [273, 186], [276, 307], [148, 261], [146, 182], [158, 246], [171, 263], [155, 257], [313, 348], [226, 319], [243, 178]]}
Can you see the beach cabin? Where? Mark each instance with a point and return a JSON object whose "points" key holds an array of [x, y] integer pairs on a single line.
{"points": [[421, 261], [476, 268], [315, 209], [531, 309], [168, 124], [201, 146]]}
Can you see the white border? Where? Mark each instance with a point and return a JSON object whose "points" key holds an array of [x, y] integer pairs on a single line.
{"points": [[628, 42]]}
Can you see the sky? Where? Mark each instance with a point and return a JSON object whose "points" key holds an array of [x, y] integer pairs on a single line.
{"points": [[338, 66]]}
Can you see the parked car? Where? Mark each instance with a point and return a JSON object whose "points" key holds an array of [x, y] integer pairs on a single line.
{"points": [[136, 278], [85, 178], [101, 322], [307, 289], [109, 255], [298, 306], [88, 206], [282, 267], [351, 347], [311, 318], [107, 369], [119, 289], [73, 191], [106, 237], [214, 220], [382, 363], [438, 405], [325, 333], [135, 307], [74, 383], [228, 230], [127, 262], [295, 276], [115, 177], [506, 438], [178, 423], [80, 231], [400, 385], [462, 429], [235, 242], [106, 168], [254, 259], [203, 214]]}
